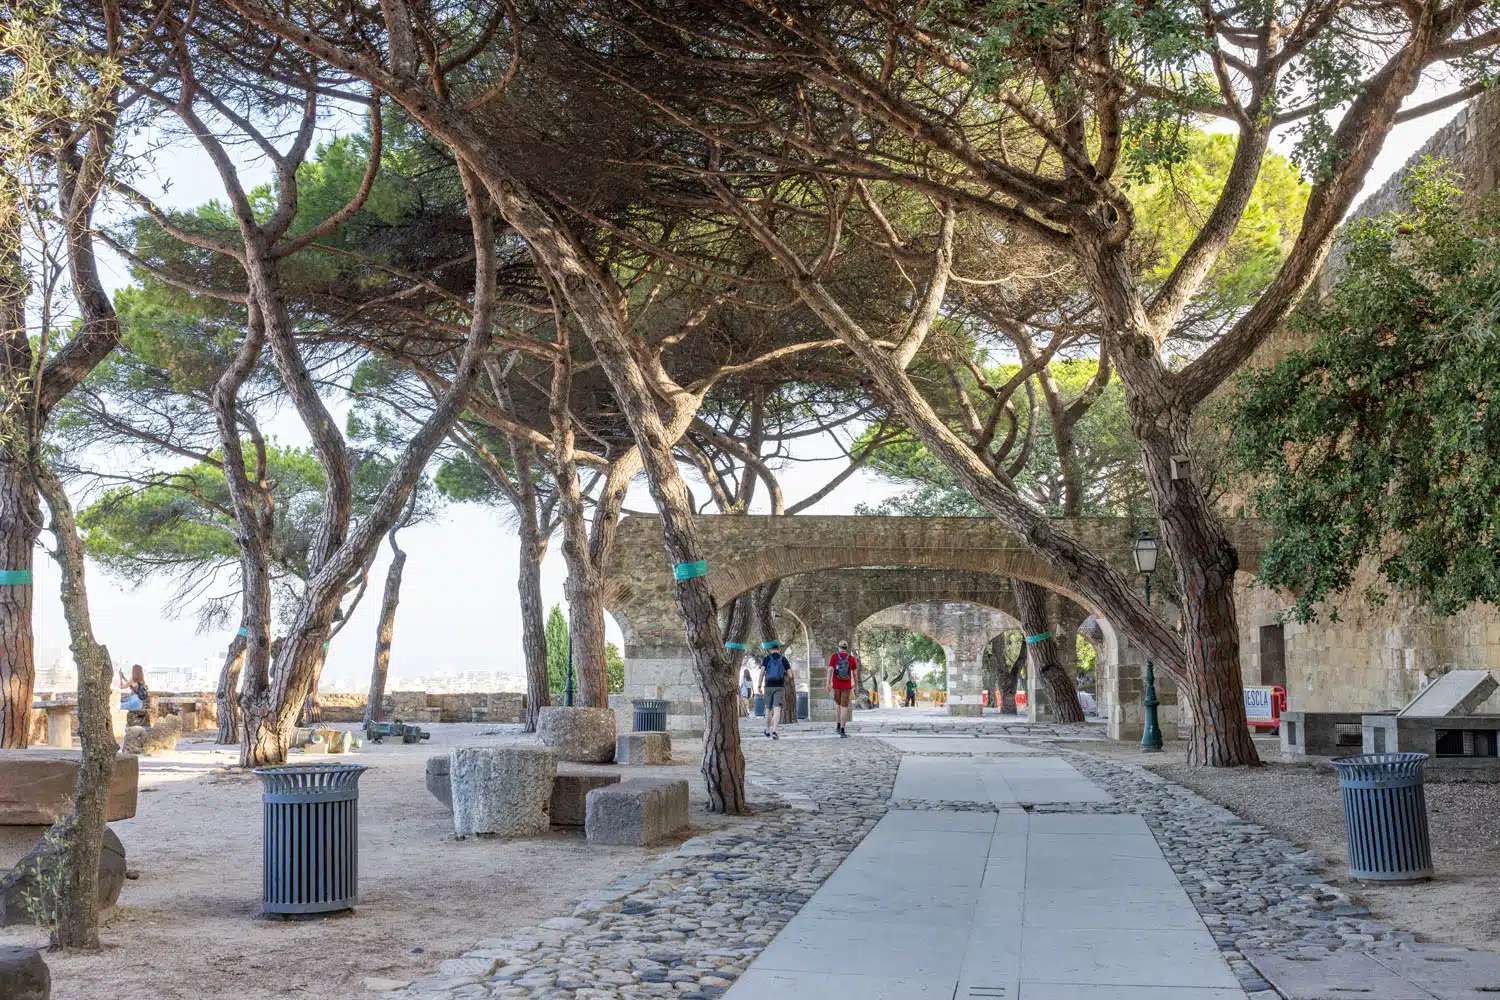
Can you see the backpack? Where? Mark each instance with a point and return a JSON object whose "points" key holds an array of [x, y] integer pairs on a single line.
{"points": [[775, 665], [841, 665]]}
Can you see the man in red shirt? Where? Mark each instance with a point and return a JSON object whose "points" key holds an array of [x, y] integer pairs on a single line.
{"points": [[843, 674]]}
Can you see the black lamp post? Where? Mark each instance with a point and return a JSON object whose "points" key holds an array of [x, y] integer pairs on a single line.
{"points": [[1144, 552], [568, 679]]}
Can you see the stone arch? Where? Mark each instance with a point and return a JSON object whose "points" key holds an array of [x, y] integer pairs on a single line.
{"points": [[963, 629], [743, 551]]}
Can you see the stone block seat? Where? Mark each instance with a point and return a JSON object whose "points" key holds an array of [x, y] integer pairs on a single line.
{"points": [[23, 974], [639, 812], [37, 786], [438, 781], [570, 788], [570, 793], [643, 748], [582, 735], [501, 791]]}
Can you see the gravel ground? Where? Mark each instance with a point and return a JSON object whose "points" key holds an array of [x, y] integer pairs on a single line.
{"points": [[1299, 802]]}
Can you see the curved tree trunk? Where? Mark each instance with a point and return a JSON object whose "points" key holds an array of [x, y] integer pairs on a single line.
{"points": [[227, 696], [385, 630], [20, 523], [1031, 603], [83, 831]]}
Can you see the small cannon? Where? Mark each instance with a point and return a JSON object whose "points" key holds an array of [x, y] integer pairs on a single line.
{"points": [[375, 732]]}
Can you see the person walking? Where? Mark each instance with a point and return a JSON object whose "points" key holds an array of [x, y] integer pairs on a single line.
{"points": [[775, 671], [843, 674], [747, 692], [911, 691]]}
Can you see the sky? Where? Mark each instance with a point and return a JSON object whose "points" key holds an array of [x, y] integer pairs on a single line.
{"points": [[459, 610]]}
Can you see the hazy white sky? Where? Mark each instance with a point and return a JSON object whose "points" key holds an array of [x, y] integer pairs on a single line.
{"points": [[458, 605]]}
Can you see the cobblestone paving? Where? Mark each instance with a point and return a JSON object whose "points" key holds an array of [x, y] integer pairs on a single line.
{"points": [[1256, 892], [689, 924]]}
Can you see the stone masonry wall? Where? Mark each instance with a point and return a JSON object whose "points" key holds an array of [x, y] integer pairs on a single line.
{"points": [[1380, 657]]}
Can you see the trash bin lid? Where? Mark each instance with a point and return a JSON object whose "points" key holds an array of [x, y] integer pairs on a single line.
{"points": [[1369, 766], [290, 779]]}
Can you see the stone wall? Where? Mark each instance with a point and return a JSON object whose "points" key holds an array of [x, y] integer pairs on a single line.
{"points": [[409, 706], [1379, 657]]}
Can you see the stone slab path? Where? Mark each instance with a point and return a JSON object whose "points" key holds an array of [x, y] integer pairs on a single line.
{"points": [[1001, 904]]}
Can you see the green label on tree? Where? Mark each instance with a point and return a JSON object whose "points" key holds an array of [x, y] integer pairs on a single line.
{"points": [[690, 571], [734, 645], [770, 645], [15, 577], [1039, 638]]}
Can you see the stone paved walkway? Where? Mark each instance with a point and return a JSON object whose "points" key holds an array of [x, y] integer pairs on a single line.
{"points": [[966, 859], [1007, 904]]}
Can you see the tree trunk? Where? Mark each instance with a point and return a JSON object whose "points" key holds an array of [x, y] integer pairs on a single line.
{"points": [[20, 523], [761, 600], [1031, 603], [533, 634], [1220, 734], [1010, 677], [83, 831], [227, 697], [385, 630], [992, 667]]}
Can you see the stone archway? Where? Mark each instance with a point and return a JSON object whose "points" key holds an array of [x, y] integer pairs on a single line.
{"points": [[743, 551], [963, 629]]}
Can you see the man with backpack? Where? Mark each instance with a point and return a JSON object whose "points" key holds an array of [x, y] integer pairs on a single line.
{"points": [[843, 673], [775, 672]]}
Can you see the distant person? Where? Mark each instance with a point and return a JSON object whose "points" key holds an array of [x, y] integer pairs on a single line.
{"points": [[747, 691], [911, 692], [133, 691], [775, 672], [843, 673]]}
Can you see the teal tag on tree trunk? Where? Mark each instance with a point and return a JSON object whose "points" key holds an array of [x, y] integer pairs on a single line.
{"points": [[15, 577], [244, 631], [1039, 638], [770, 645], [734, 645], [690, 571]]}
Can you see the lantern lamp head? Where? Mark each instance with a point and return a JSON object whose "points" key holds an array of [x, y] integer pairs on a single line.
{"points": [[1144, 551]]}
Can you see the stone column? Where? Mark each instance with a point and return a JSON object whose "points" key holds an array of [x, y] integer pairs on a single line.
{"points": [[965, 674], [661, 670], [1122, 695]]}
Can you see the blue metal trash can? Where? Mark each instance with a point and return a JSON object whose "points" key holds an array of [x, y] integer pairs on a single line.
{"points": [[649, 715], [1385, 816], [760, 705], [310, 860]]}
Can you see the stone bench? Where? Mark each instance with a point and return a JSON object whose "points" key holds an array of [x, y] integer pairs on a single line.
{"points": [[570, 789], [37, 786], [501, 791], [1321, 734], [643, 748], [582, 735], [638, 812], [570, 793], [23, 974]]}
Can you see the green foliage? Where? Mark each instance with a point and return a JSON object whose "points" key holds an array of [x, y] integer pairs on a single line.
{"points": [[1087, 658], [614, 668], [557, 653], [888, 652], [1173, 201], [180, 525], [1381, 439]]}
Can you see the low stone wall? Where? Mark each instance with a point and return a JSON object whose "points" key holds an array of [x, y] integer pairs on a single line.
{"points": [[409, 706]]}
